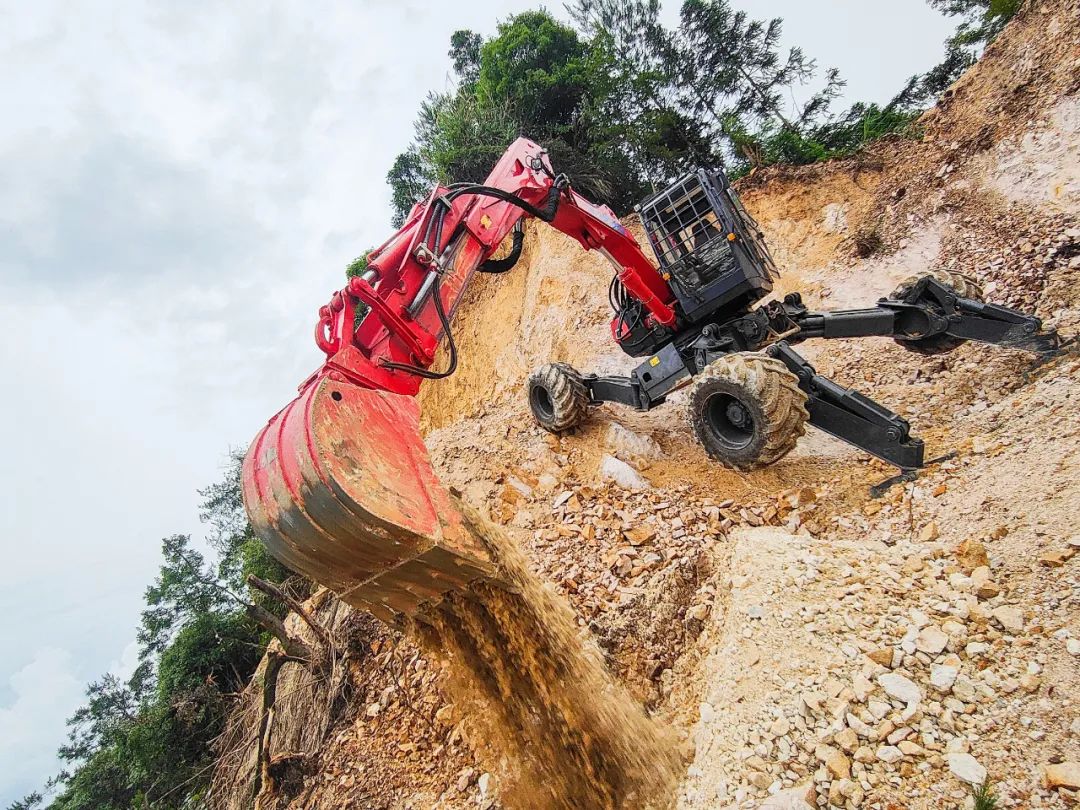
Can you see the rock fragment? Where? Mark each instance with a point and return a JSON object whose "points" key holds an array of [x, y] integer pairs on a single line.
{"points": [[621, 473], [900, 688], [966, 768], [1010, 618], [1062, 775]]}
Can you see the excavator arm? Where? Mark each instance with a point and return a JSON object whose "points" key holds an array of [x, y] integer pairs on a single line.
{"points": [[415, 280], [339, 484]]}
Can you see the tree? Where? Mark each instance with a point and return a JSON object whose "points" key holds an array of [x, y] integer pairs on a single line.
{"points": [[239, 551], [358, 266], [465, 55], [410, 181], [719, 78], [540, 65], [32, 801], [733, 67], [981, 21], [536, 77], [149, 741], [183, 590]]}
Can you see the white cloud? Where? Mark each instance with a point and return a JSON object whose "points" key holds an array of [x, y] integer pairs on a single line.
{"points": [[44, 693], [124, 666]]}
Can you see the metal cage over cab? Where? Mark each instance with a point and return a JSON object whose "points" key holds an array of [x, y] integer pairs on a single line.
{"points": [[710, 249]]}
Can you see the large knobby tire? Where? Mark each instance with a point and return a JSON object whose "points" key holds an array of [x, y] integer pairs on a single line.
{"points": [[963, 286], [748, 411], [557, 396]]}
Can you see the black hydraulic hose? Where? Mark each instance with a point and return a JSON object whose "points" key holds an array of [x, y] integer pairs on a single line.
{"points": [[450, 345], [547, 214], [507, 262]]}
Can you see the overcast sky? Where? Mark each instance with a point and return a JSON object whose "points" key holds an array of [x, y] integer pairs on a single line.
{"points": [[181, 185]]}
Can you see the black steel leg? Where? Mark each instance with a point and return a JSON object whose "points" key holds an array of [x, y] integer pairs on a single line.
{"points": [[851, 416]]}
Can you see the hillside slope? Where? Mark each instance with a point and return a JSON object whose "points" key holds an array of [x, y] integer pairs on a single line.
{"points": [[804, 638]]}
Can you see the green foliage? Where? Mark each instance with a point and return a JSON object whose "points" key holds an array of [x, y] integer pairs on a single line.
{"points": [[980, 22], [538, 63], [358, 266], [465, 55], [218, 648], [720, 77], [863, 124], [410, 181], [149, 741], [536, 76], [624, 103], [32, 801], [984, 796], [239, 551]]}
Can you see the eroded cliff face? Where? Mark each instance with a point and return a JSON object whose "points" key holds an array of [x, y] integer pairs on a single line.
{"points": [[797, 634]]}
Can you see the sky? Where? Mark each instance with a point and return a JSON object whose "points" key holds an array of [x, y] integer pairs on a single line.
{"points": [[181, 186]]}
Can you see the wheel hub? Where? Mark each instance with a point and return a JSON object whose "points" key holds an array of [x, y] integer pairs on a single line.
{"points": [[541, 401], [738, 415], [730, 421]]}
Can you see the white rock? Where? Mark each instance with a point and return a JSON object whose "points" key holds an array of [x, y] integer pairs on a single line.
{"points": [[861, 686], [1010, 618], [835, 218], [976, 648], [964, 689], [621, 473], [631, 447], [966, 768], [1073, 646], [879, 708], [793, 799], [708, 713], [931, 640], [864, 730], [942, 676], [889, 754], [898, 687], [484, 783]]}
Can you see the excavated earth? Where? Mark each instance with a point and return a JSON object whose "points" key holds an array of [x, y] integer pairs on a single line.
{"points": [[811, 646]]}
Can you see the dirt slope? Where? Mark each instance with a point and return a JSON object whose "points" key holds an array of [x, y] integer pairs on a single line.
{"points": [[808, 642]]}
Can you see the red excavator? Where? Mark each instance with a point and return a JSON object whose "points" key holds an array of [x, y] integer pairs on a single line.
{"points": [[339, 484]]}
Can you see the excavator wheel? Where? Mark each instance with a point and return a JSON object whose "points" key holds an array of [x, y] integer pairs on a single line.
{"points": [[748, 411], [963, 286], [558, 397]]}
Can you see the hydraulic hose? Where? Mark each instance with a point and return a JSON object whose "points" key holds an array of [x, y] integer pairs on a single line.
{"points": [[547, 214], [450, 345], [508, 261]]}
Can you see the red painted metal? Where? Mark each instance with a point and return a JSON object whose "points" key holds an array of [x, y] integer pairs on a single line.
{"points": [[338, 484]]}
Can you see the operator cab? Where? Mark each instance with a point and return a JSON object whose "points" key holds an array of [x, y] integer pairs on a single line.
{"points": [[710, 250]]}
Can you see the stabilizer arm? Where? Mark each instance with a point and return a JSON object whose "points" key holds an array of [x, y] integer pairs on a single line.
{"points": [[929, 309], [851, 416]]}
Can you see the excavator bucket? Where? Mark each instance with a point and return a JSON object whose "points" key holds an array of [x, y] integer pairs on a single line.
{"points": [[340, 487]]}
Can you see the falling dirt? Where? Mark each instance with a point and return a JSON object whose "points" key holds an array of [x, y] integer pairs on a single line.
{"points": [[542, 695]]}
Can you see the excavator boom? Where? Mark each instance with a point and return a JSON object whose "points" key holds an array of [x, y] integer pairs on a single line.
{"points": [[339, 484]]}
